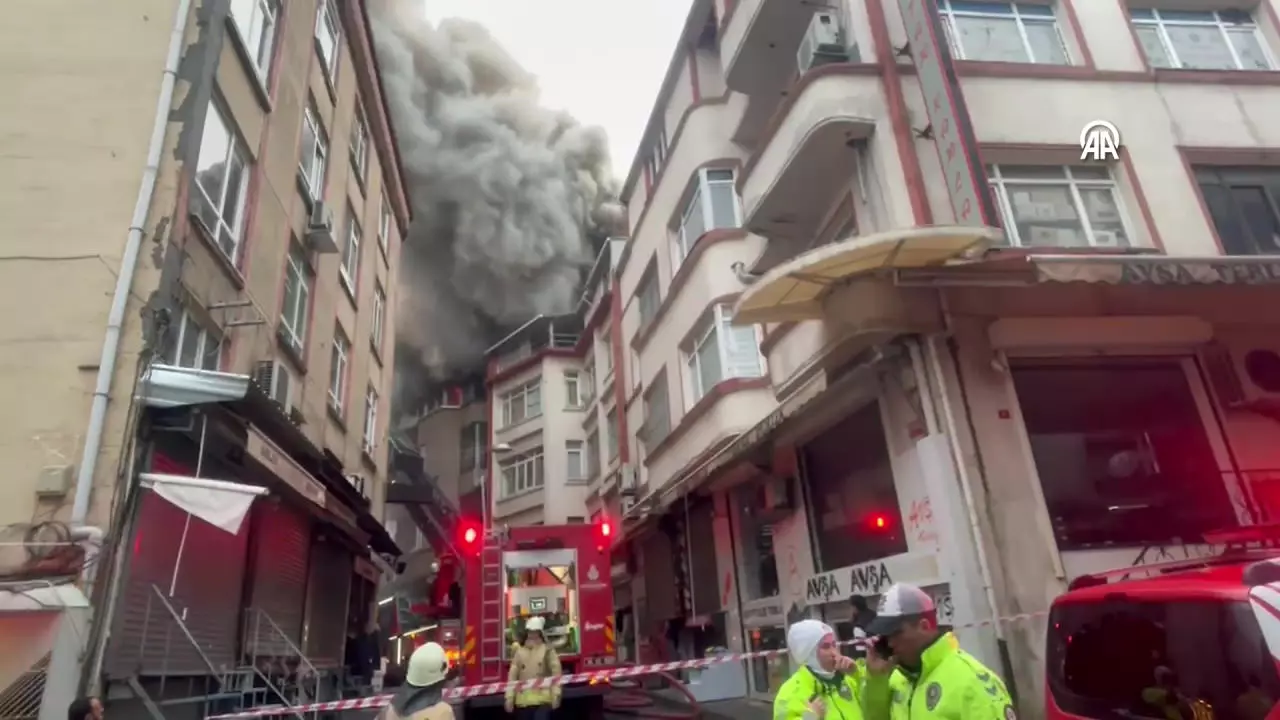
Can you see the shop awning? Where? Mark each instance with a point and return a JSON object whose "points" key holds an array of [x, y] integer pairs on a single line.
{"points": [[796, 290]]}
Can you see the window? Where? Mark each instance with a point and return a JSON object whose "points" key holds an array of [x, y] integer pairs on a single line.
{"points": [[327, 34], [256, 22], [370, 420], [1226, 40], [194, 345], [851, 484], [522, 473], [575, 520], [473, 446], [576, 455], [604, 342], [315, 148], [759, 572], [593, 454], [349, 271], [588, 381], [360, 146], [658, 156], [657, 413], [384, 222], [722, 351], [714, 205], [296, 307], [1105, 659], [1003, 32], [523, 403], [611, 433], [1058, 206], [1121, 452], [648, 299], [572, 390], [379, 316], [1245, 206], [341, 355], [222, 178], [635, 370]]}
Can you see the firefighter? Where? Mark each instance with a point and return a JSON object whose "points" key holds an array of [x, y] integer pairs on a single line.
{"points": [[421, 697], [534, 659], [826, 685], [917, 672]]}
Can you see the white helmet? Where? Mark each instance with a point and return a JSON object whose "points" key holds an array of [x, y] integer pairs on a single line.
{"points": [[427, 666], [535, 624]]}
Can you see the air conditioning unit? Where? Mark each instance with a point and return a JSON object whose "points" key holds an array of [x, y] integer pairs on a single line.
{"points": [[1108, 239], [273, 378], [823, 43], [319, 235]]}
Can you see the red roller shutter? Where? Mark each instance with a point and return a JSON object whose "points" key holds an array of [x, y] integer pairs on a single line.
{"points": [[278, 585]]}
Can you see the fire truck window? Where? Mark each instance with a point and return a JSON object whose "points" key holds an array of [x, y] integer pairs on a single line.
{"points": [[1122, 453], [1183, 660]]}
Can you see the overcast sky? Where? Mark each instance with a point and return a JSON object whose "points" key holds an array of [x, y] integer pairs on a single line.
{"points": [[602, 60]]}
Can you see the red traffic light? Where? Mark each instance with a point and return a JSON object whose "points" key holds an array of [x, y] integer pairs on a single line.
{"points": [[469, 535], [879, 522], [606, 529]]}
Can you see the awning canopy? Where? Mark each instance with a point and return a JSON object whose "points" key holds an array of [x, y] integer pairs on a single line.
{"points": [[796, 290]]}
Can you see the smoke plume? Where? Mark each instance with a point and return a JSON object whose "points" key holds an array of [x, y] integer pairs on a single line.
{"points": [[506, 194]]}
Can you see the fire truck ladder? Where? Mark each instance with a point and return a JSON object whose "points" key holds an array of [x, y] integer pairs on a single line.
{"points": [[432, 511], [493, 635]]}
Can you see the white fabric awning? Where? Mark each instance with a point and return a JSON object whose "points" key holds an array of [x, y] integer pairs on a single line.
{"points": [[218, 502], [796, 290]]}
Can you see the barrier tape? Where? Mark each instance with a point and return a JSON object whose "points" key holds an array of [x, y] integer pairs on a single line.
{"points": [[604, 674]]}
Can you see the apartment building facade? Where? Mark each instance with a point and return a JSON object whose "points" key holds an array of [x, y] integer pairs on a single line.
{"points": [[555, 393], [246, 302], [890, 324]]}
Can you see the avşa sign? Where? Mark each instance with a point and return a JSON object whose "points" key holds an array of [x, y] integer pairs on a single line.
{"points": [[872, 577]]}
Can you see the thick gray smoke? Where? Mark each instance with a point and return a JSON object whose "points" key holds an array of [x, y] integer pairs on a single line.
{"points": [[506, 194]]}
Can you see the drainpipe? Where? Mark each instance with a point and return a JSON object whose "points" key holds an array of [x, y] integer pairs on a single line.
{"points": [[128, 266], [64, 674]]}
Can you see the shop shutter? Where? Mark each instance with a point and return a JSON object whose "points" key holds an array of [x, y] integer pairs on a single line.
{"points": [[702, 552], [328, 592], [145, 638], [278, 589], [660, 589]]}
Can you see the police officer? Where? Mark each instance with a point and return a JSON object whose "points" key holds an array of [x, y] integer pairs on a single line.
{"points": [[827, 685], [917, 672]]}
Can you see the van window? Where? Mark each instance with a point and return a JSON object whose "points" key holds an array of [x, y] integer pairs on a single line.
{"points": [[1186, 660]]}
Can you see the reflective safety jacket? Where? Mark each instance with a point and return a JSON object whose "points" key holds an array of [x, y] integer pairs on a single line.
{"points": [[842, 695], [951, 685], [531, 663]]}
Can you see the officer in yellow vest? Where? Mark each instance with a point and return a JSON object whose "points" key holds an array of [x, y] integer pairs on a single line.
{"points": [[924, 675], [827, 685], [534, 659]]}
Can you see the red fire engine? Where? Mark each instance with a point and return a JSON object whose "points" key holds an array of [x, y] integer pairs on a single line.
{"points": [[1197, 639], [488, 584]]}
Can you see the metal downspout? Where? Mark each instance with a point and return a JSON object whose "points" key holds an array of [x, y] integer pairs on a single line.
{"points": [[128, 266]]}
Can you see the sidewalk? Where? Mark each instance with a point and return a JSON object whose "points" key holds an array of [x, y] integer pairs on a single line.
{"points": [[741, 709]]}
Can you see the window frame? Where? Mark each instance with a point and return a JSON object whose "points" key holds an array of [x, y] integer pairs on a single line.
{"points": [[653, 432], [575, 448], [349, 267], [613, 442], [339, 369], [515, 486], [377, 331], [259, 37], [1230, 179], [384, 223], [948, 17], [295, 330], [573, 390], [681, 245], [648, 299], [712, 329], [521, 395], [186, 321], [360, 145], [328, 21], [313, 166], [369, 440], [998, 181], [1161, 26], [236, 149]]}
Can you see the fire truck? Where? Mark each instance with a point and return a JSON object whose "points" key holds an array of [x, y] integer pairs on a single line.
{"points": [[490, 581], [1194, 639]]}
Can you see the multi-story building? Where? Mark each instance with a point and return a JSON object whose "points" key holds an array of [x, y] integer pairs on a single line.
{"points": [[557, 410], [233, 322], [890, 323]]}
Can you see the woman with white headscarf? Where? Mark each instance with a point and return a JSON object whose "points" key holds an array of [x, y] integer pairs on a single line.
{"points": [[827, 685]]}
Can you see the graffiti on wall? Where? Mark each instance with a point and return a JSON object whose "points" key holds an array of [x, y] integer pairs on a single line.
{"points": [[920, 526]]}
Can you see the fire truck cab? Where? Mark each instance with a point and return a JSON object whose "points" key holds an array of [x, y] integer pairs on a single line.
{"points": [[1190, 640]]}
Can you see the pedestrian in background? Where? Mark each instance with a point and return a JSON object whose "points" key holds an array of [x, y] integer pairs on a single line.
{"points": [[917, 672], [421, 697], [85, 708], [826, 684], [532, 661]]}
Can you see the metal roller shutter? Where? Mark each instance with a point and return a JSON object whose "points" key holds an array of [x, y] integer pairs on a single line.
{"points": [[328, 592], [702, 553], [660, 590], [282, 544]]}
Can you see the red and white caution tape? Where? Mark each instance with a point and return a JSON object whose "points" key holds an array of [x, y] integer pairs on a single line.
{"points": [[601, 675]]}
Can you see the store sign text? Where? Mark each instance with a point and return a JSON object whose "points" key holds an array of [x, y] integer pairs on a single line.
{"points": [[871, 578], [1165, 273]]}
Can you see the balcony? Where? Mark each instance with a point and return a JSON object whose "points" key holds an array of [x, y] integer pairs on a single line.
{"points": [[758, 44], [804, 166]]}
